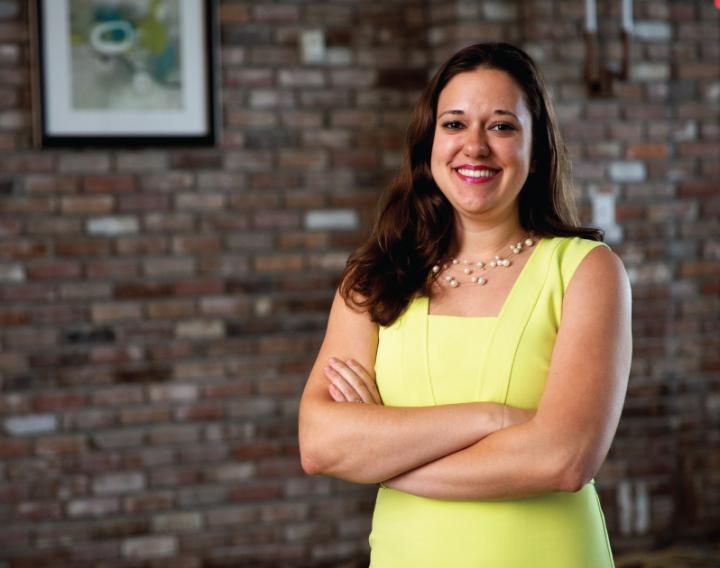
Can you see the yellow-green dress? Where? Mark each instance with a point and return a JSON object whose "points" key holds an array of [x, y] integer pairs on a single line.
{"points": [[427, 359]]}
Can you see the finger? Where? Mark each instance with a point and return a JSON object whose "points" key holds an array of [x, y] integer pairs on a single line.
{"points": [[357, 383], [367, 378], [347, 390], [335, 393]]}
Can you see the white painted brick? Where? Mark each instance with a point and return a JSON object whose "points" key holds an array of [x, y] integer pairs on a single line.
{"points": [[118, 482], [650, 72], [652, 31], [712, 93], [500, 11], [339, 56], [627, 171], [624, 505], [160, 393], [31, 424], [12, 273], [150, 547], [339, 219], [642, 506], [201, 329], [330, 261], [689, 131], [649, 274], [112, 225], [176, 522], [232, 472], [263, 306], [93, 507], [603, 210], [468, 9], [712, 404]]}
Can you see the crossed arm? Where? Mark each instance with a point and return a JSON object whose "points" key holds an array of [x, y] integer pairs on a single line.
{"points": [[477, 450]]}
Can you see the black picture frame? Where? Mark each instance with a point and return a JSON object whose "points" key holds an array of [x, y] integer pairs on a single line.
{"points": [[189, 119]]}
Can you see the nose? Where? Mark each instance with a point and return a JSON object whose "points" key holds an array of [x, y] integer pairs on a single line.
{"points": [[476, 143]]}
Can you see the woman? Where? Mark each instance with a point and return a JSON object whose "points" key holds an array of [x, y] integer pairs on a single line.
{"points": [[486, 333]]}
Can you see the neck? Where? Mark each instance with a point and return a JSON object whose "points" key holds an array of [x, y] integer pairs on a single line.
{"points": [[480, 242]]}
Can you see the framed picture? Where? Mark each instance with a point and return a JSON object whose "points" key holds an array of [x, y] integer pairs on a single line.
{"points": [[124, 72]]}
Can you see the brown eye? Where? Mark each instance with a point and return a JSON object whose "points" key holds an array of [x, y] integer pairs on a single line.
{"points": [[503, 127]]}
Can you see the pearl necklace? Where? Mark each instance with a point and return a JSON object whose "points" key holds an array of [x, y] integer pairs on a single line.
{"points": [[481, 266]]}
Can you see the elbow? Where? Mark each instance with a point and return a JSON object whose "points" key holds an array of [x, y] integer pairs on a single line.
{"points": [[572, 477], [309, 465], [314, 462], [310, 459]]}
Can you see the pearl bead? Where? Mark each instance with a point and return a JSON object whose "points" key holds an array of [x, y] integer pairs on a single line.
{"points": [[435, 269], [474, 279], [506, 263], [529, 242], [493, 264], [467, 270], [454, 283], [454, 260], [480, 264], [466, 262], [448, 278], [481, 281]]}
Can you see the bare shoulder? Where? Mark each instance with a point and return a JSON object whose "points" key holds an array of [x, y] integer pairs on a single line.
{"points": [[347, 315], [351, 333], [602, 273]]}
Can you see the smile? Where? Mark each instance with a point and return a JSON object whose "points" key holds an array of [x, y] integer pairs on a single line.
{"points": [[482, 175]]}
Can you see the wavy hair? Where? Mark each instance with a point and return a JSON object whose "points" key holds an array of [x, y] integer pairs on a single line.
{"points": [[414, 224]]}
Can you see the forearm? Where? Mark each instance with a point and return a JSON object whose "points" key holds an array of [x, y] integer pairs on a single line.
{"points": [[371, 443], [512, 463]]}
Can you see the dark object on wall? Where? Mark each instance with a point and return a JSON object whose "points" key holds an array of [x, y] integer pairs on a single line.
{"points": [[124, 73]]}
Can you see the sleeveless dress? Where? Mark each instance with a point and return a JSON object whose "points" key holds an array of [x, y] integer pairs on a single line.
{"points": [[424, 360]]}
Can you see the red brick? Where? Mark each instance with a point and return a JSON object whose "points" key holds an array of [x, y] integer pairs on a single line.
{"points": [[142, 246], [11, 449], [51, 184], [83, 247], [234, 14], [49, 270], [63, 226], [90, 204], [109, 184], [700, 149], [145, 202], [195, 287], [28, 205], [23, 249], [113, 267], [648, 151], [196, 244]]}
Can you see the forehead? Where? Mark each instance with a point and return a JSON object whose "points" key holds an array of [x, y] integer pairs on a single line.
{"points": [[480, 89]]}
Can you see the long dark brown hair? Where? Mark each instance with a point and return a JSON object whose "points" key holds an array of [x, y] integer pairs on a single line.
{"points": [[415, 222]]}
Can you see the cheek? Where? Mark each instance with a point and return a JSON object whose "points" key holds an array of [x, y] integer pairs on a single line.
{"points": [[442, 150]]}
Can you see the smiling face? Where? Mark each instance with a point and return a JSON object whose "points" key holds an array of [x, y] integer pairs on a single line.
{"points": [[482, 145]]}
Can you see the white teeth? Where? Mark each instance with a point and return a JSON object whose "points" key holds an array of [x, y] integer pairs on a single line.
{"points": [[477, 173]]}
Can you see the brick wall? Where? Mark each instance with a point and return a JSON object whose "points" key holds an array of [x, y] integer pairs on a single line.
{"points": [[160, 309]]}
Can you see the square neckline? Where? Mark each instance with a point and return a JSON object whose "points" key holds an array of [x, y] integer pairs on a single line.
{"points": [[506, 301]]}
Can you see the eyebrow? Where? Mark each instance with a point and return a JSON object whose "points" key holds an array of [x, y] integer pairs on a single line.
{"points": [[496, 111]]}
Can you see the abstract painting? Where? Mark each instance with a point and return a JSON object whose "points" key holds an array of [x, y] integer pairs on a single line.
{"points": [[117, 71]]}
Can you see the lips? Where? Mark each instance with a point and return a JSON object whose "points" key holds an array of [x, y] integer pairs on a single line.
{"points": [[476, 174]]}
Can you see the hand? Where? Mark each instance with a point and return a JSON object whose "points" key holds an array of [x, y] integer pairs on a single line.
{"points": [[350, 382]]}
